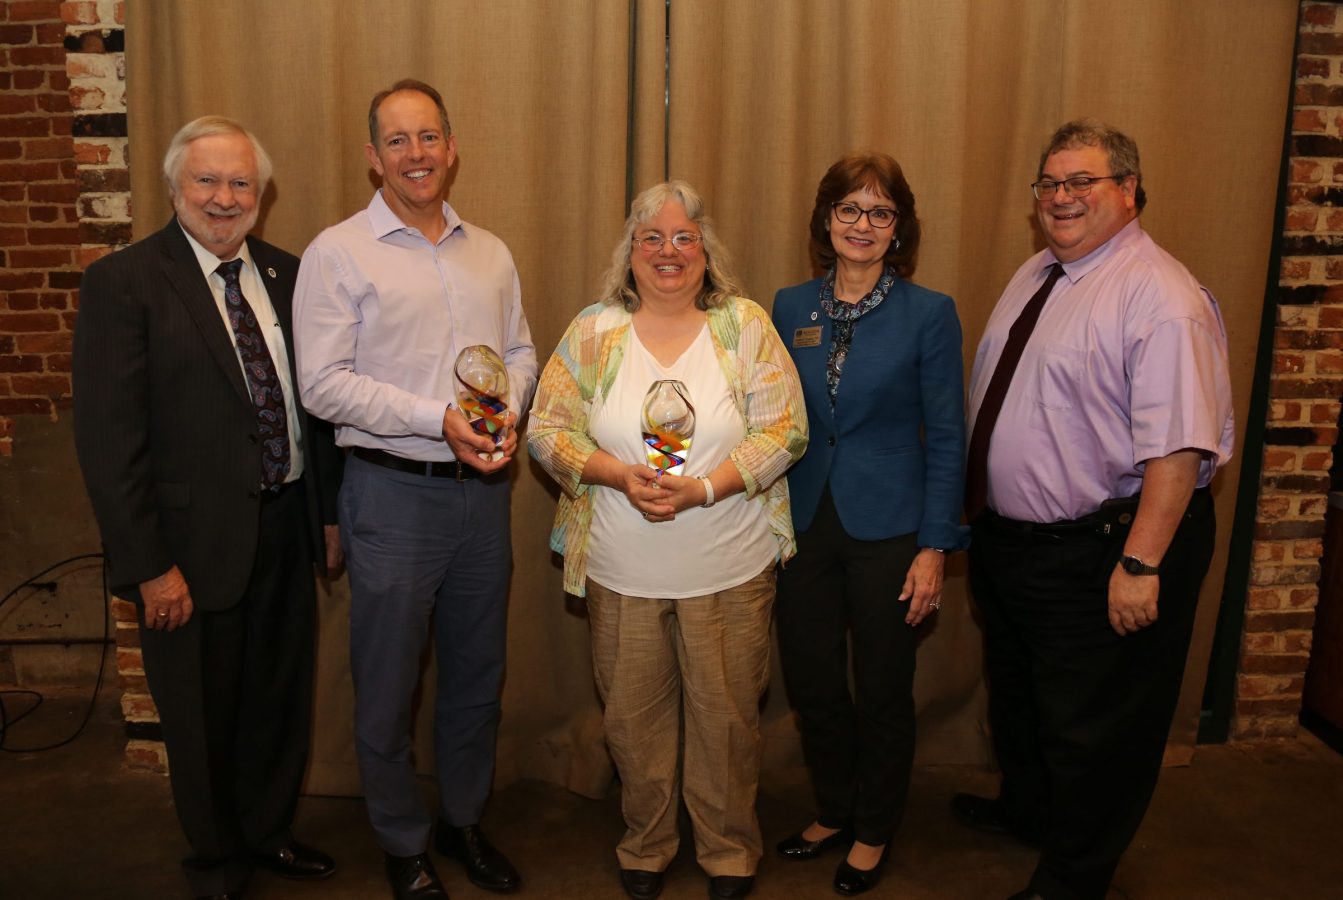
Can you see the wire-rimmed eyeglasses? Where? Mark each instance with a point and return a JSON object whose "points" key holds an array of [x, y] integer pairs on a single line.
{"points": [[1077, 186], [682, 240]]}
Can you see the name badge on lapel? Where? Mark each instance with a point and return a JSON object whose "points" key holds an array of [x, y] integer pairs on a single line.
{"points": [[807, 337]]}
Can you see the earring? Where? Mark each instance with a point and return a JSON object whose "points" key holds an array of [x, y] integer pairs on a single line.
{"points": [[897, 244], [827, 225]]}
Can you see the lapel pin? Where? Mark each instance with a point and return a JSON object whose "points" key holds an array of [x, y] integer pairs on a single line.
{"points": [[270, 270], [813, 315]]}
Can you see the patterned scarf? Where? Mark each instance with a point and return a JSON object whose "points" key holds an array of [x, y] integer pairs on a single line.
{"points": [[843, 316]]}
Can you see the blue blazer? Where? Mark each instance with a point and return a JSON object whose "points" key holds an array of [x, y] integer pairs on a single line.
{"points": [[893, 448]]}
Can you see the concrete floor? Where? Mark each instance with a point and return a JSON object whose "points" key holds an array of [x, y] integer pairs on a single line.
{"points": [[1261, 822]]}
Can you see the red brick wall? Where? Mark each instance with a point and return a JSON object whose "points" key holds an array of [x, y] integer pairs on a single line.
{"points": [[39, 221], [64, 201], [1305, 387]]}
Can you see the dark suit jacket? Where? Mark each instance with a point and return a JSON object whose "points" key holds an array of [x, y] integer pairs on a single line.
{"points": [[893, 448], [164, 426]]}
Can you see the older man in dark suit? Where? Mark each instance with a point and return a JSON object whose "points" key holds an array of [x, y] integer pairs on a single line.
{"points": [[215, 495]]}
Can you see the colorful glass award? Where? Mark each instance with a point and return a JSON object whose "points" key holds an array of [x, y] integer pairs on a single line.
{"points": [[482, 385], [668, 426]]}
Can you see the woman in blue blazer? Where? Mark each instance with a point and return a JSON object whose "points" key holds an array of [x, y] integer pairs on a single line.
{"points": [[876, 505]]}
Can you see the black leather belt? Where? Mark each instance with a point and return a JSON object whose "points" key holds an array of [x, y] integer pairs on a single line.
{"points": [[1113, 518], [451, 469]]}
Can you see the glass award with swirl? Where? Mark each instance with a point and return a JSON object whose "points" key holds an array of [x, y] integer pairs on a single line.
{"points": [[482, 385], [668, 426]]}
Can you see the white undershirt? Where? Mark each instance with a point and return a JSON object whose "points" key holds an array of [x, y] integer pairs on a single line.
{"points": [[701, 551]]}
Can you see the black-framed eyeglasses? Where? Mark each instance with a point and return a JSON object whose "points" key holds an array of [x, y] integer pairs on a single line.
{"points": [[877, 216], [1077, 186], [682, 240]]}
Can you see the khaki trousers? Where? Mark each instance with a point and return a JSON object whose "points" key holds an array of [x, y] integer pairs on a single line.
{"points": [[705, 660]]}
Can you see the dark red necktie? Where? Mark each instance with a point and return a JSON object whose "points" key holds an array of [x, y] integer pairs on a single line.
{"points": [[263, 383], [977, 466]]}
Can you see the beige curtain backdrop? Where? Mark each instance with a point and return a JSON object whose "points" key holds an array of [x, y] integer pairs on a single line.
{"points": [[537, 96], [765, 94]]}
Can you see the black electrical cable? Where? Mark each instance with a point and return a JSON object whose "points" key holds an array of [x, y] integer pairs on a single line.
{"points": [[5, 722]]}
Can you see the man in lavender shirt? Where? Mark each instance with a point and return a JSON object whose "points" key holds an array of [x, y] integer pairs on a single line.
{"points": [[1094, 524], [385, 301]]}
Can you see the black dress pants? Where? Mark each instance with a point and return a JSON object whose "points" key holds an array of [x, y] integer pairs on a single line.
{"points": [[234, 692], [859, 746], [1079, 713]]}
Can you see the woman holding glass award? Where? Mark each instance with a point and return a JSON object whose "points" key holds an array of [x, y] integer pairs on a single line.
{"points": [[672, 529], [876, 505]]}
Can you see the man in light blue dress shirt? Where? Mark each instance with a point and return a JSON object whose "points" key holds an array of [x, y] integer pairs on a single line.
{"points": [[385, 302]]}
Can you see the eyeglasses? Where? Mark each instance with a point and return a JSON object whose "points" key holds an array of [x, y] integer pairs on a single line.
{"points": [[877, 216], [1078, 186], [682, 240]]}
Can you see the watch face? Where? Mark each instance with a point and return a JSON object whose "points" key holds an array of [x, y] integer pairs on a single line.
{"points": [[1135, 566]]}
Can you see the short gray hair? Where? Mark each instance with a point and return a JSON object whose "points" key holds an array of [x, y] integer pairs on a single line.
{"points": [[210, 126], [1122, 149], [720, 283]]}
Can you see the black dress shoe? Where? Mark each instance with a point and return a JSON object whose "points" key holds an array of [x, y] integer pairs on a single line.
{"points": [[850, 880], [297, 861], [485, 866], [730, 887], [980, 813], [641, 884], [984, 814], [413, 878], [796, 847]]}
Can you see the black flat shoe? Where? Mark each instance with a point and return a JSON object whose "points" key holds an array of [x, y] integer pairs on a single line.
{"points": [[850, 881], [485, 866], [730, 887], [641, 884], [797, 848], [298, 861], [413, 878]]}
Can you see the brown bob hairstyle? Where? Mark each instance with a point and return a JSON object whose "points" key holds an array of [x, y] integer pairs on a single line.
{"points": [[882, 174]]}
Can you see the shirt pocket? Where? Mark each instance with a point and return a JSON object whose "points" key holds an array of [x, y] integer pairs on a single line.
{"points": [[1061, 376]]}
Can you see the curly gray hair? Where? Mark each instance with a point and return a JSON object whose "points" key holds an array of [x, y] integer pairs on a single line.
{"points": [[719, 281]]}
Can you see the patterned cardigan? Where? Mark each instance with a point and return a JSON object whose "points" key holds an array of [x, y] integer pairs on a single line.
{"points": [[759, 374]]}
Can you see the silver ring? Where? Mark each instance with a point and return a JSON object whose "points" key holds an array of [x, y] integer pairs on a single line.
{"points": [[937, 606], [163, 614]]}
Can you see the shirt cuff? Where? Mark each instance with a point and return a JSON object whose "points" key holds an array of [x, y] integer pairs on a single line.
{"points": [[427, 417]]}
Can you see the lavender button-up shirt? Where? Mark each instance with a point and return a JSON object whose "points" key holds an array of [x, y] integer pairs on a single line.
{"points": [[1127, 363], [381, 312]]}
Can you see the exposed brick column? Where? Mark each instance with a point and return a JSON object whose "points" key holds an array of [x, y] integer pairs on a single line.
{"points": [[96, 66], [38, 220], [1304, 393]]}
